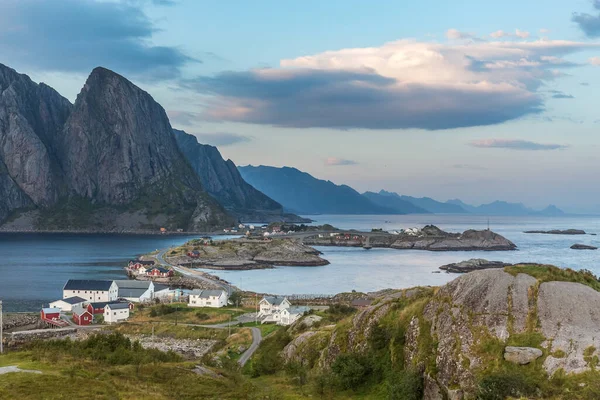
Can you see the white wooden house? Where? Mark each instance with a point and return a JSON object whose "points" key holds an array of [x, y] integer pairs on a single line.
{"points": [[116, 312], [66, 305], [135, 291], [91, 290], [272, 304], [290, 315], [208, 298]]}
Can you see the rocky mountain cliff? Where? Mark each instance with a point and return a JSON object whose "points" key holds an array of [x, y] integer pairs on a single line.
{"points": [[223, 181], [109, 163], [31, 117]]}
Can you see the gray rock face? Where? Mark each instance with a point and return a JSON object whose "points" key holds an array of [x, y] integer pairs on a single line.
{"points": [[222, 180], [569, 315], [521, 355], [31, 116], [117, 141], [478, 300]]}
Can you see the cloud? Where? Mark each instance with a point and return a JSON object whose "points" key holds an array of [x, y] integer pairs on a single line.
{"points": [[222, 138], [455, 34], [515, 144], [518, 34], [78, 35], [399, 85], [544, 31], [334, 161], [588, 23], [595, 61], [562, 96], [584, 84], [183, 117]]}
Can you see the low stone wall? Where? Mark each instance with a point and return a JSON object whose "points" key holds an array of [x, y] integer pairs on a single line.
{"points": [[12, 321], [17, 339]]}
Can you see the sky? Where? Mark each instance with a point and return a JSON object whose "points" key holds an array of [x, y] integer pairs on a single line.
{"points": [[475, 100]]}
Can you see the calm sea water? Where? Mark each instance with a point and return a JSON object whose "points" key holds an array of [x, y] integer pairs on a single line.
{"points": [[34, 267]]}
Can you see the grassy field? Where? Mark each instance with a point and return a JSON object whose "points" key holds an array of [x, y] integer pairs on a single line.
{"points": [[182, 314]]}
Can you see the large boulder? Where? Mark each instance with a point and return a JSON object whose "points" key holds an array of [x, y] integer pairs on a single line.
{"points": [[521, 355]]}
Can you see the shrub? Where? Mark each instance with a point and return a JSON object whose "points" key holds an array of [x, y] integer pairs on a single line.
{"points": [[501, 385], [202, 316], [407, 386], [352, 370], [268, 360]]}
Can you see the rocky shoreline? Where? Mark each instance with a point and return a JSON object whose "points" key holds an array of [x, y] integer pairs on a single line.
{"points": [[583, 247], [430, 238]]}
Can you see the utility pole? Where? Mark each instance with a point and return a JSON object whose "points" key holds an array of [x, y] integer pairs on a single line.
{"points": [[1, 330]]}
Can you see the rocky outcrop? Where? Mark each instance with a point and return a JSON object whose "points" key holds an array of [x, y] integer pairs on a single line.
{"points": [[244, 254], [474, 264], [470, 240], [583, 247], [521, 355], [560, 232], [569, 316], [108, 163]]}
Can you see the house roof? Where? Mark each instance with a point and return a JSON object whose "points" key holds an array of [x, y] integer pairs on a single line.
{"points": [[207, 293], [274, 300], [133, 284], [73, 300], [162, 270], [118, 306], [103, 304], [158, 287], [76, 284], [80, 310], [51, 310], [131, 293]]}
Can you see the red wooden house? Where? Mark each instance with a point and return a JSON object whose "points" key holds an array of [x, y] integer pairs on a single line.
{"points": [[160, 272], [98, 308], [50, 313], [193, 254], [82, 316]]}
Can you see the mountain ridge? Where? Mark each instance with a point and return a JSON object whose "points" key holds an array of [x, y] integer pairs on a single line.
{"points": [[108, 162]]}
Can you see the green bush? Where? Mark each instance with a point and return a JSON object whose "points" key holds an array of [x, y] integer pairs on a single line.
{"points": [[202, 316], [161, 309], [407, 386], [352, 370], [268, 359], [112, 349], [501, 385]]}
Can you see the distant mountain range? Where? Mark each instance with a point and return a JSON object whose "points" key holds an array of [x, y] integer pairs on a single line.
{"points": [[300, 192], [304, 194]]}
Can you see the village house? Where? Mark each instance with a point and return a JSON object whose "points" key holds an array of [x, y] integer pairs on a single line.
{"points": [[116, 312], [208, 298], [292, 314], [193, 254], [91, 290], [135, 291], [50, 313], [98, 308], [159, 272], [81, 316], [66, 305]]}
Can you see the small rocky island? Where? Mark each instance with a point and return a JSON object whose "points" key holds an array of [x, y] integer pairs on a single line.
{"points": [[583, 247], [429, 238], [474, 264], [244, 254], [560, 232]]}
